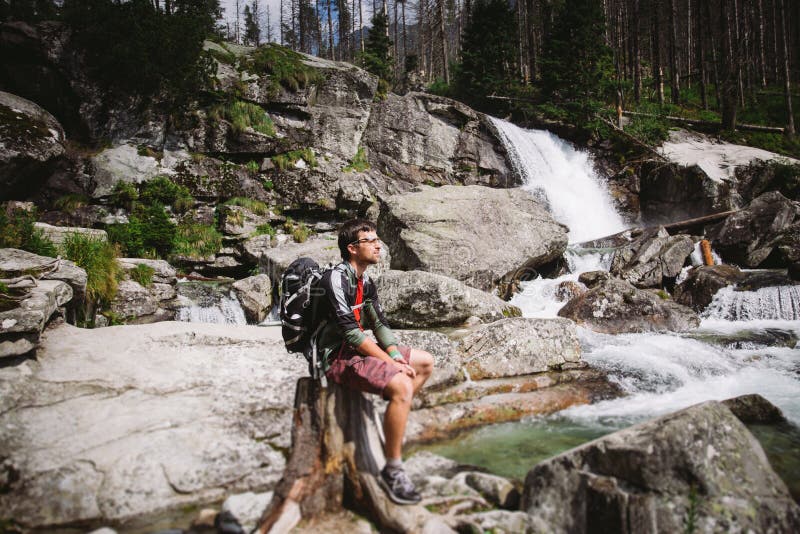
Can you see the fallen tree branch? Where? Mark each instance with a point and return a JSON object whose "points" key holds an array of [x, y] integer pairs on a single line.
{"points": [[707, 124]]}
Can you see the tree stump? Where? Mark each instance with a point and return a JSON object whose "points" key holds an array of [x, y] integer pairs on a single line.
{"points": [[336, 457]]}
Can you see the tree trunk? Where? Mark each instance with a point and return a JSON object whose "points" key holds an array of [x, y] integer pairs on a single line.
{"points": [[787, 85], [423, 64], [443, 33], [335, 460], [658, 72], [701, 62], [673, 54], [331, 49], [762, 56], [637, 53], [729, 76]]}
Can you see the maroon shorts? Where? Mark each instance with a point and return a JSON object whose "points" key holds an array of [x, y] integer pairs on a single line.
{"points": [[363, 373]]}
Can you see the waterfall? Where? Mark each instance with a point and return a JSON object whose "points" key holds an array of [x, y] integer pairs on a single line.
{"points": [[776, 302], [565, 177], [206, 302]]}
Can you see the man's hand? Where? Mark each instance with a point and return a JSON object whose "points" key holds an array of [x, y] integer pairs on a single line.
{"points": [[405, 368]]}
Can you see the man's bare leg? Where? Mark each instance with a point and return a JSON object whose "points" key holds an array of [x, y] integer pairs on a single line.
{"points": [[399, 392]]}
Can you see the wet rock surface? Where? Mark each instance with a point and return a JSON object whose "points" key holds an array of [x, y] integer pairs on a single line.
{"points": [[700, 462], [615, 306], [702, 283], [652, 258]]}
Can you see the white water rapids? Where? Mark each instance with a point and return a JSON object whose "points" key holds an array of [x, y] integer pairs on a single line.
{"points": [[745, 343]]}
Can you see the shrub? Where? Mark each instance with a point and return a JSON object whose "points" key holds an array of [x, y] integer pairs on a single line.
{"points": [[359, 162], [197, 241], [98, 258], [148, 233], [124, 195], [252, 166], [17, 230], [251, 204], [164, 191]]}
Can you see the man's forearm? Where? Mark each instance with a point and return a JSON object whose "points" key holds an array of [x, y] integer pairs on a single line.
{"points": [[370, 348]]}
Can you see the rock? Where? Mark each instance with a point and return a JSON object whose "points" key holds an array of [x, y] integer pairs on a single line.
{"points": [[254, 248], [702, 283], [210, 179], [652, 258], [699, 463], [205, 519], [121, 164], [81, 217], [497, 490], [58, 234], [462, 232], [615, 306], [104, 530], [426, 138], [240, 222], [15, 262], [762, 176], [322, 248], [247, 507], [163, 272], [418, 299], [568, 289], [255, 295], [21, 326], [748, 237], [755, 409], [425, 464], [133, 301], [447, 359], [503, 522], [31, 142], [170, 415], [789, 247], [518, 346], [592, 278]]}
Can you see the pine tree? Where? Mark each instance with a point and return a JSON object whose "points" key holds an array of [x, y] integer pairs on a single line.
{"points": [[576, 62], [252, 27], [375, 58], [488, 52]]}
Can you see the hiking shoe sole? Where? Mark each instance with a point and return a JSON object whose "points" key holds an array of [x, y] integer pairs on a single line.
{"points": [[396, 498]]}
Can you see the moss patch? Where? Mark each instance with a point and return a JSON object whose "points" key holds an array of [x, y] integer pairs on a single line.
{"points": [[285, 66]]}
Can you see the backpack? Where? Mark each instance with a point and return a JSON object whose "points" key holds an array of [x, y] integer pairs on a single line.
{"points": [[300, 325]]}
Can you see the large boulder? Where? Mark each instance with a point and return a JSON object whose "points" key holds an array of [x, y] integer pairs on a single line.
{"points": [[59, 234], [121, 163], [652, 258], [789, 247], [255, 296], [699, 466], [31, 141], [418, 299], [169, 415], [426, 138], [518, 346], [446, 355], [615, 306], [481, 236], [702, 283], [748, 237]]}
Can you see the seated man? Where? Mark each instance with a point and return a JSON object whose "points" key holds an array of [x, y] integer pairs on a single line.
{"points": [[355, 361]]}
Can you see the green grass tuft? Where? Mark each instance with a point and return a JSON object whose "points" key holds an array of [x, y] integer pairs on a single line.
{"points": [[288, 159], [17, 230], [266, 229], [359, 162], [98, 258], [162, 190], [71, 202], [285, 66], [243, 115], [256, 206], [197, 241], [143, 275]]}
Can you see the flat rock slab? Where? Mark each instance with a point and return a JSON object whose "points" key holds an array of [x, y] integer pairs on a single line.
{"points": [[15, 262], [130, 420], [699, 463]]}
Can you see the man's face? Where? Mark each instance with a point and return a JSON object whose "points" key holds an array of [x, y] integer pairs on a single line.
{"points": [[367, 249]]}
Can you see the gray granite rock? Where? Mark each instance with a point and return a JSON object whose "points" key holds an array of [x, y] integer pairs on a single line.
{"points": [[255, 296], [700, 462]]}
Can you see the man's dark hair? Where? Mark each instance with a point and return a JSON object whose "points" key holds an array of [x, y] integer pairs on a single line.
{"points": [[349, 233]]}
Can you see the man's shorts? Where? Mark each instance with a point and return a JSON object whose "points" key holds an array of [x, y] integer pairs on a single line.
{"points": [[363, 373]]}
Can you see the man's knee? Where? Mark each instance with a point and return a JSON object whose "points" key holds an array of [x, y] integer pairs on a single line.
{"points": [[422, 360], [400, 388]]}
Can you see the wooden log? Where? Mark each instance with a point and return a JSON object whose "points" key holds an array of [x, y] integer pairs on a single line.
{"points": [[705, 246], [706, 219], [336, 458]]}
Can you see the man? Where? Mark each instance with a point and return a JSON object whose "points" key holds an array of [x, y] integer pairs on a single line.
{"points": [[355, 361]]}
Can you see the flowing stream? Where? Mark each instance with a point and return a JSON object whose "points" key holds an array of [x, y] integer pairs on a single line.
{"points": [[747, 341]]}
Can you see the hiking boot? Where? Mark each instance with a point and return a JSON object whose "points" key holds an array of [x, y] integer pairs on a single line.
{"points": [[399, 487]]}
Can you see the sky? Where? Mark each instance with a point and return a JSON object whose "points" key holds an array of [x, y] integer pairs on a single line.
{"points": [[274, 6]]}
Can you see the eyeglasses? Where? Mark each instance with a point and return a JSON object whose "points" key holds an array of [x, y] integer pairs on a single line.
{"points": [[372, 241]]}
